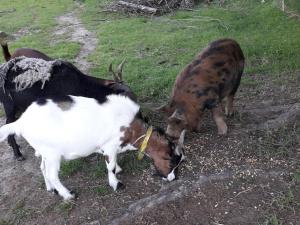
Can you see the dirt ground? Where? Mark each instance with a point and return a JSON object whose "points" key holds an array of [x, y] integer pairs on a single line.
{"points": [[250, 176]]}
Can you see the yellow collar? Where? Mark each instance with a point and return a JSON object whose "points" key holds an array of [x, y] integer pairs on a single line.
{"points": [[141, 151]]}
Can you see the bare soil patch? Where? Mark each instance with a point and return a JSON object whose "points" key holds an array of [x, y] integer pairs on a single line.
{"points": [[71, 27], [250, 176], [246, 177]]}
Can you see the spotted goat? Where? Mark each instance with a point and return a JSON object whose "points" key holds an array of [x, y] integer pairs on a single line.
{"points": [[70, 127], [23, 80], [214, 76]]}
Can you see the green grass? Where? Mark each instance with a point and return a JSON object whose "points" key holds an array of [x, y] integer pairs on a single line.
{"points": [[286, 201], [279, 142], [268, 37], [69, 168], [64, 207], [293, 5], [131, 165], [272, 220], [37, 21], [102, 190], [296, 176], [158, 48], [128, 163]]}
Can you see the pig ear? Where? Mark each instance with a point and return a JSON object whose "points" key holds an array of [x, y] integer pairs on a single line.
{"points": [[164, 108], [176, 117], [179, 147]]}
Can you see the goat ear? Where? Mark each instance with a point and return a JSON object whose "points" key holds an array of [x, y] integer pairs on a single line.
{"points": [[179, 147], [4, 38], [119, 72]]}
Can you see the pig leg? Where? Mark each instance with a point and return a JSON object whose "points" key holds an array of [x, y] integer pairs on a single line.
{"points": [[219, 119], [230, 97], [229, 105]]}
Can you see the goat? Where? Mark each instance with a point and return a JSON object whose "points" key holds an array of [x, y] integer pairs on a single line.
{"points": [[28, 52], [62, 79], [74, 127], [117, 82], [212, 77]]}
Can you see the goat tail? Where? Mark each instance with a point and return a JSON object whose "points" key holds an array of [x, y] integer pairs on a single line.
{"points": [[7, 130], [6, 54]]}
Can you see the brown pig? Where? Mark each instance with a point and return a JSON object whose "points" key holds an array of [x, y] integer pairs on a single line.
{"points": [[214, 76]]}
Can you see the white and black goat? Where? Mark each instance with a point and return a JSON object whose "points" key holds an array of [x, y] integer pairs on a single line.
{"points": [[23, 80], [72, 127]]}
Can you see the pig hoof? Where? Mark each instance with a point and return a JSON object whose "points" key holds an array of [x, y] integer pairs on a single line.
{"points": [[222, 131], [229, 114]]}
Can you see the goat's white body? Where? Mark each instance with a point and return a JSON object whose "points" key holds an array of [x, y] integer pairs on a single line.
{"points": [[85, 128]]}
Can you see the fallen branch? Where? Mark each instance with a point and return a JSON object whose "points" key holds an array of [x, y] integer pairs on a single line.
{"points": [[205, 19], [142, 8], [185, 187], [283, 119]]}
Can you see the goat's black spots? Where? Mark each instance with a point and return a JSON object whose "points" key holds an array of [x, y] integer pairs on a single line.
{"points": [[41, 101], [210, 103], [219, 64], [62, 98], [64, 102], [102, 100], [114, 170]]}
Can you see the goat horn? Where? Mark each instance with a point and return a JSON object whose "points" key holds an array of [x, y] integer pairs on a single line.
{"points": [[120, 70], [179, 147], [110, 69]]}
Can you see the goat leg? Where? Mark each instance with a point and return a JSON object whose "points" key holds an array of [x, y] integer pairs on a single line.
{"points": [[16, 148], [10, 117]]}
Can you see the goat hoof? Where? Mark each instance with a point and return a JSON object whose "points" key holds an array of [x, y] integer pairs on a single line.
{"points": [[120, 186], [74, 194], [55, 191], [20, 158]]}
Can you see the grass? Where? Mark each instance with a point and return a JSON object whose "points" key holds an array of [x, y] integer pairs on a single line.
{"points": [[128, 163], [20, 212], [287, 202], [69, 168], [280, 143], [131, 165], [293, 5], [102, 190], [64, 207], [269, 39], [158, 48], [36, 19], [296, 176], [272, 220]]}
